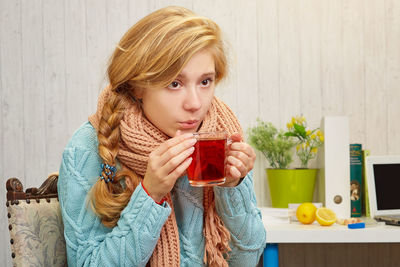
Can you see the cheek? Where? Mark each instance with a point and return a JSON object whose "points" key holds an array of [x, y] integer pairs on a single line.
{"points": [[163, 108], [207, 98], [153, 101]]}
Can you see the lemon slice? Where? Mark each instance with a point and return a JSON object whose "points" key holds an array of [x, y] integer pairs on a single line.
{"points": [[325, 216]]}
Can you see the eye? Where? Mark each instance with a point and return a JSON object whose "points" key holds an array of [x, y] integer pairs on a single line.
{"points": [[174, 85], [206, 83]]}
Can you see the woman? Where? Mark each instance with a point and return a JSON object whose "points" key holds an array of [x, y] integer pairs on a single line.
{"points": [[124, 195]]}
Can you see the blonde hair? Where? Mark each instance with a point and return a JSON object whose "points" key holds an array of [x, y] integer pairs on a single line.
{"points": [[151, 54]]}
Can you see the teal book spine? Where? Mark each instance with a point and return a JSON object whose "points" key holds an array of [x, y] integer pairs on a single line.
{"points": [[356, 181]]}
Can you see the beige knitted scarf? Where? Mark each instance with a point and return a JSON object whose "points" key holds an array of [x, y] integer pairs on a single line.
{"points": [[139, 137]]}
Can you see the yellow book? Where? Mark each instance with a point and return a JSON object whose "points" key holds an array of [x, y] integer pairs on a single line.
{"points": [[365, 203]]}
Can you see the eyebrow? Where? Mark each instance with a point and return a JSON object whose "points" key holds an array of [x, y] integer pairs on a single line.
{"points": [[211, 73]]}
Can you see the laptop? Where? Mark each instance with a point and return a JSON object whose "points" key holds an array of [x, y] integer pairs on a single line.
{"points": [[383, 177]]}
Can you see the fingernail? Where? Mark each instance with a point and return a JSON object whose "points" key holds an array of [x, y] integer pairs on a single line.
{"points": [[237, 172], [235, 146], [193, 141]]}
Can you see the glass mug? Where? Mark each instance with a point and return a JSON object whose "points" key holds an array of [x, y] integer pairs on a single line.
{"points": [[208, 165]]}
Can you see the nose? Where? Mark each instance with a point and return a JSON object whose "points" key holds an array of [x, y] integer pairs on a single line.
{"points": [[192, 100]]}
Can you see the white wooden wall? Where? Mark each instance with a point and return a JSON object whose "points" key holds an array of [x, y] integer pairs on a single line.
{"points": [[288, 57]]}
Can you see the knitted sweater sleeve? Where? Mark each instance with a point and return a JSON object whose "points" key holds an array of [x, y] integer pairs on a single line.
{"points": [[88, 242], [237, 207]]}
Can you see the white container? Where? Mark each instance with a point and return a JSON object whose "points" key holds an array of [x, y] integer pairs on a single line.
{"points": [[333, 181]]}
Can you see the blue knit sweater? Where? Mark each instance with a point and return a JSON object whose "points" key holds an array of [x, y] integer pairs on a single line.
{"points": [[132, 241]]}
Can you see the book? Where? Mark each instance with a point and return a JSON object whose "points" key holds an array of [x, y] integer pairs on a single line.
{"points": [[355, 179], [365, 202]]}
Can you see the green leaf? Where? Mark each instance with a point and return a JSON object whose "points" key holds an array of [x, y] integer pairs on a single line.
{"points": [[300, 129], [288, 134]]}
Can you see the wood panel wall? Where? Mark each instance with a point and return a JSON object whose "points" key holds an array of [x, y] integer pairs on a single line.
{"points": [[287, 57]]}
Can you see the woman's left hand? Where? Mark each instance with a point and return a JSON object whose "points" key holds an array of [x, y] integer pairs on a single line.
{"points": [[240, 160]]}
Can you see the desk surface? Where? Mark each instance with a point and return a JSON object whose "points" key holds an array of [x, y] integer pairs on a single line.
{"points": [[296, 232]]}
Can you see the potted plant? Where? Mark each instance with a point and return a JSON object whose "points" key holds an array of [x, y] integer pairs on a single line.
{"points": [[308, 141], [288, 185], [275, 145]]}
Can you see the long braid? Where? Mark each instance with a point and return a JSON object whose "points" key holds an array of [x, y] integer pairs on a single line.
{"points": [[109, 199]]}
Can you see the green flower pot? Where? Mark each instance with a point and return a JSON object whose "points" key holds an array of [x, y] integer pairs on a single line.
{"points": [[291, 186]]}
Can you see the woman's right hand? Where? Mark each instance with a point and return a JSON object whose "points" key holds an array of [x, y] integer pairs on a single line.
{"points": [[167, 163]]}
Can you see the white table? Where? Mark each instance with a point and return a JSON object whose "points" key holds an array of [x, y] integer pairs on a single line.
{"points": [[296, 232]]}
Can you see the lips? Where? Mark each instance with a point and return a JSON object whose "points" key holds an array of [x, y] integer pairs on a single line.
{"points": [[189, 124]]}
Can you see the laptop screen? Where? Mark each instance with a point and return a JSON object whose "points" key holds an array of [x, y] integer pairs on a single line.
{"points": [[387, 186], [383, 177]]}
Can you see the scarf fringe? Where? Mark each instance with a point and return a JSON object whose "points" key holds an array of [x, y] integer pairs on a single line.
{"points": [[217, 236]]}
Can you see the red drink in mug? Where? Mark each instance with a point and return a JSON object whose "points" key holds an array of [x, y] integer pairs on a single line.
{"points": [[208, 165]]}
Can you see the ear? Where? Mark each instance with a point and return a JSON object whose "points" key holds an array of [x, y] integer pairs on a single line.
{"points": [[138, 93]]}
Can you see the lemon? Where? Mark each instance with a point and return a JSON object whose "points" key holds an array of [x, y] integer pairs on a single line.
{"points": [[325, 216], [306, 213]]}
